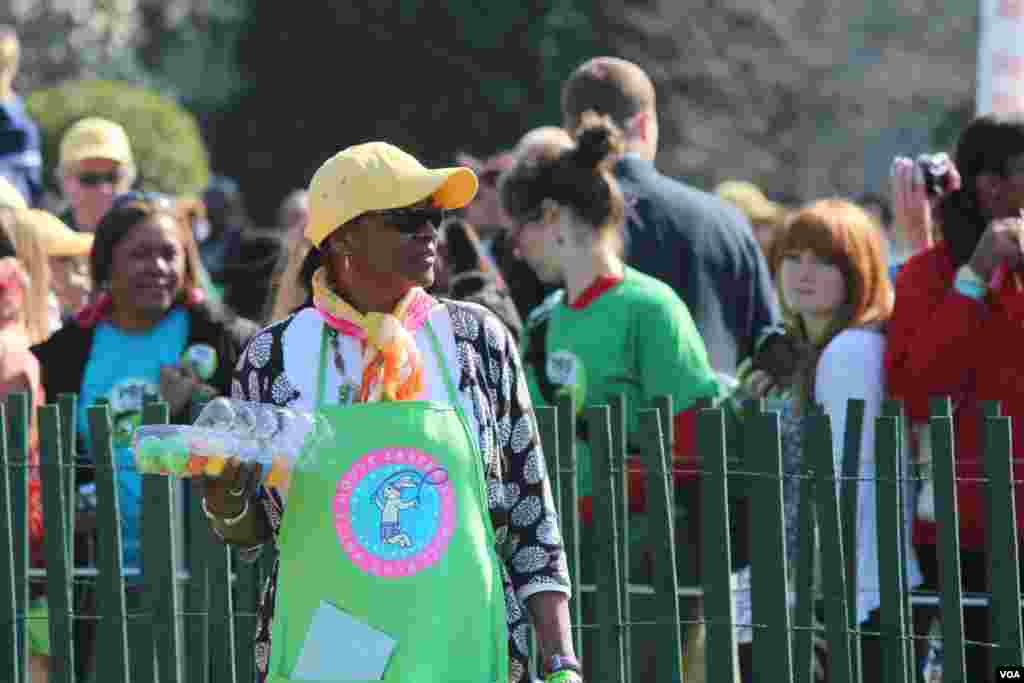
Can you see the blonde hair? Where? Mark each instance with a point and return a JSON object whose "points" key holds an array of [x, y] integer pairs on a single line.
{"points": [[28, 248], [287, 292], [10, 50]]}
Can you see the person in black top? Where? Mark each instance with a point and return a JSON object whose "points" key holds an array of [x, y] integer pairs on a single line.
{"points": [[697, 243]]}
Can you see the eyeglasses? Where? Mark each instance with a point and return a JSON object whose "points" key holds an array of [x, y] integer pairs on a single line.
{"points": [[142, 200], [409, 221], [92, 179]]}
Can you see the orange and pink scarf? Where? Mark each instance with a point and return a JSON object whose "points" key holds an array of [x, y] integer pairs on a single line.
{"points": [[392, 365]]}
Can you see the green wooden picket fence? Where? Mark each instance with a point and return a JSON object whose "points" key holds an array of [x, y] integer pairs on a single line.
{"points": [[196, 609]]}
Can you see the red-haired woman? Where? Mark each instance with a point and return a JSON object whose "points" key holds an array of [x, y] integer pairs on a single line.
{"points": [[832, 279]]}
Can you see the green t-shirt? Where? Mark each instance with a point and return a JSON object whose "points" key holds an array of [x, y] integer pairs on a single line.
{"points": [[637, 338]]}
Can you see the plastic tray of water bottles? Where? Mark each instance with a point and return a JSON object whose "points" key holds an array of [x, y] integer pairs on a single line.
{"points": [[229, 430]]}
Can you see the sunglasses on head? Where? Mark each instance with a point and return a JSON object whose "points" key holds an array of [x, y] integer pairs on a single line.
{"points": [[142, 200], [409, 221], [92, 178]]}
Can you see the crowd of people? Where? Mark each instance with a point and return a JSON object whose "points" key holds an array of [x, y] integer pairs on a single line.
{"points": [[433, 308]]}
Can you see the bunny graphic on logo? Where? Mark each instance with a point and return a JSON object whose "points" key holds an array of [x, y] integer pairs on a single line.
{"points": [[395, 511], [389, 500]]}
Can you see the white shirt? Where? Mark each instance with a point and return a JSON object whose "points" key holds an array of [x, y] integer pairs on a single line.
{"points": [[851, 366]]}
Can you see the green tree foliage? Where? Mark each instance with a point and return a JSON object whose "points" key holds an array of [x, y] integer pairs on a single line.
{"points": [[166, 141], [433, 78]]}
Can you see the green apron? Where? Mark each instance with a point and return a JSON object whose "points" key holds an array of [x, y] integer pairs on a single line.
{"points": [[387, 529]]}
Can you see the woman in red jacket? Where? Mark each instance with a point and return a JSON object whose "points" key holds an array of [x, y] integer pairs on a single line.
{"points": [[957, 330]]}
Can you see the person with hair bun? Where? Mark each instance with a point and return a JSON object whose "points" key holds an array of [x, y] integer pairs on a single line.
{"points": [[611, 329]]}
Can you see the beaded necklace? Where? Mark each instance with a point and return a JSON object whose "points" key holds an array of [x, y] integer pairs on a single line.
{"points": [[348, 390]]}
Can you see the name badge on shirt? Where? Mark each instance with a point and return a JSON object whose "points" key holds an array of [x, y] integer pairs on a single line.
{"points": [[562, 368]]}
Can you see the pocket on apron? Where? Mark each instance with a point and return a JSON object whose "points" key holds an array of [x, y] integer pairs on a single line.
{"points": [[340, 647]]}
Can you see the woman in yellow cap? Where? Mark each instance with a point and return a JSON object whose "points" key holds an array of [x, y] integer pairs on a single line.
{"points": [[433, 489]]}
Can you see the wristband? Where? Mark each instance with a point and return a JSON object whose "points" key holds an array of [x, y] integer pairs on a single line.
{"points": [[559, 663], [970, 284], [564, 676]]}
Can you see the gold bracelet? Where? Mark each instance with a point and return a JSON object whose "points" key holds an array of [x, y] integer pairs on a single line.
{"points": [[226, 521]]}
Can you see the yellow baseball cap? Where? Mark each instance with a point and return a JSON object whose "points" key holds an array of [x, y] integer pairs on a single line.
{"points": [[95, 138], [57, 238], [376, 176], [9, 195], [749, 198]]}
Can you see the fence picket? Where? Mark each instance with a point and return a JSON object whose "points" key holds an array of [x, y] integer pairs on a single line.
{"points": [[892, 572], [663, 404], [9, 659], [58, 570], [246, 596], [160, 561], [807, 557], [716, 569], [668, 653], [69, 430], [620, 499], [608, 656], [197, 592], [223, 642], [772, 653], [566, 416], [18, 416], [112, 630], [951, 594], [848, 519], [894, 408], [1006, 628], [818, 447], [547, 430]]}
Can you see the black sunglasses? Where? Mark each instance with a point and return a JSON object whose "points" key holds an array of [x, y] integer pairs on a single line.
{"points": [[91, 179], [409, 221]]}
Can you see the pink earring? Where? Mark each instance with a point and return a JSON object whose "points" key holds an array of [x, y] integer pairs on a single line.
{"points": [[194, 296]]}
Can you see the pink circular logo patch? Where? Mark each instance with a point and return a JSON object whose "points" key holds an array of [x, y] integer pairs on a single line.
{"points": [[394, 510]]}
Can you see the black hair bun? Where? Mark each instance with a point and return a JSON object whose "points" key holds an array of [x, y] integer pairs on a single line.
{"points": [[593, 146]]}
